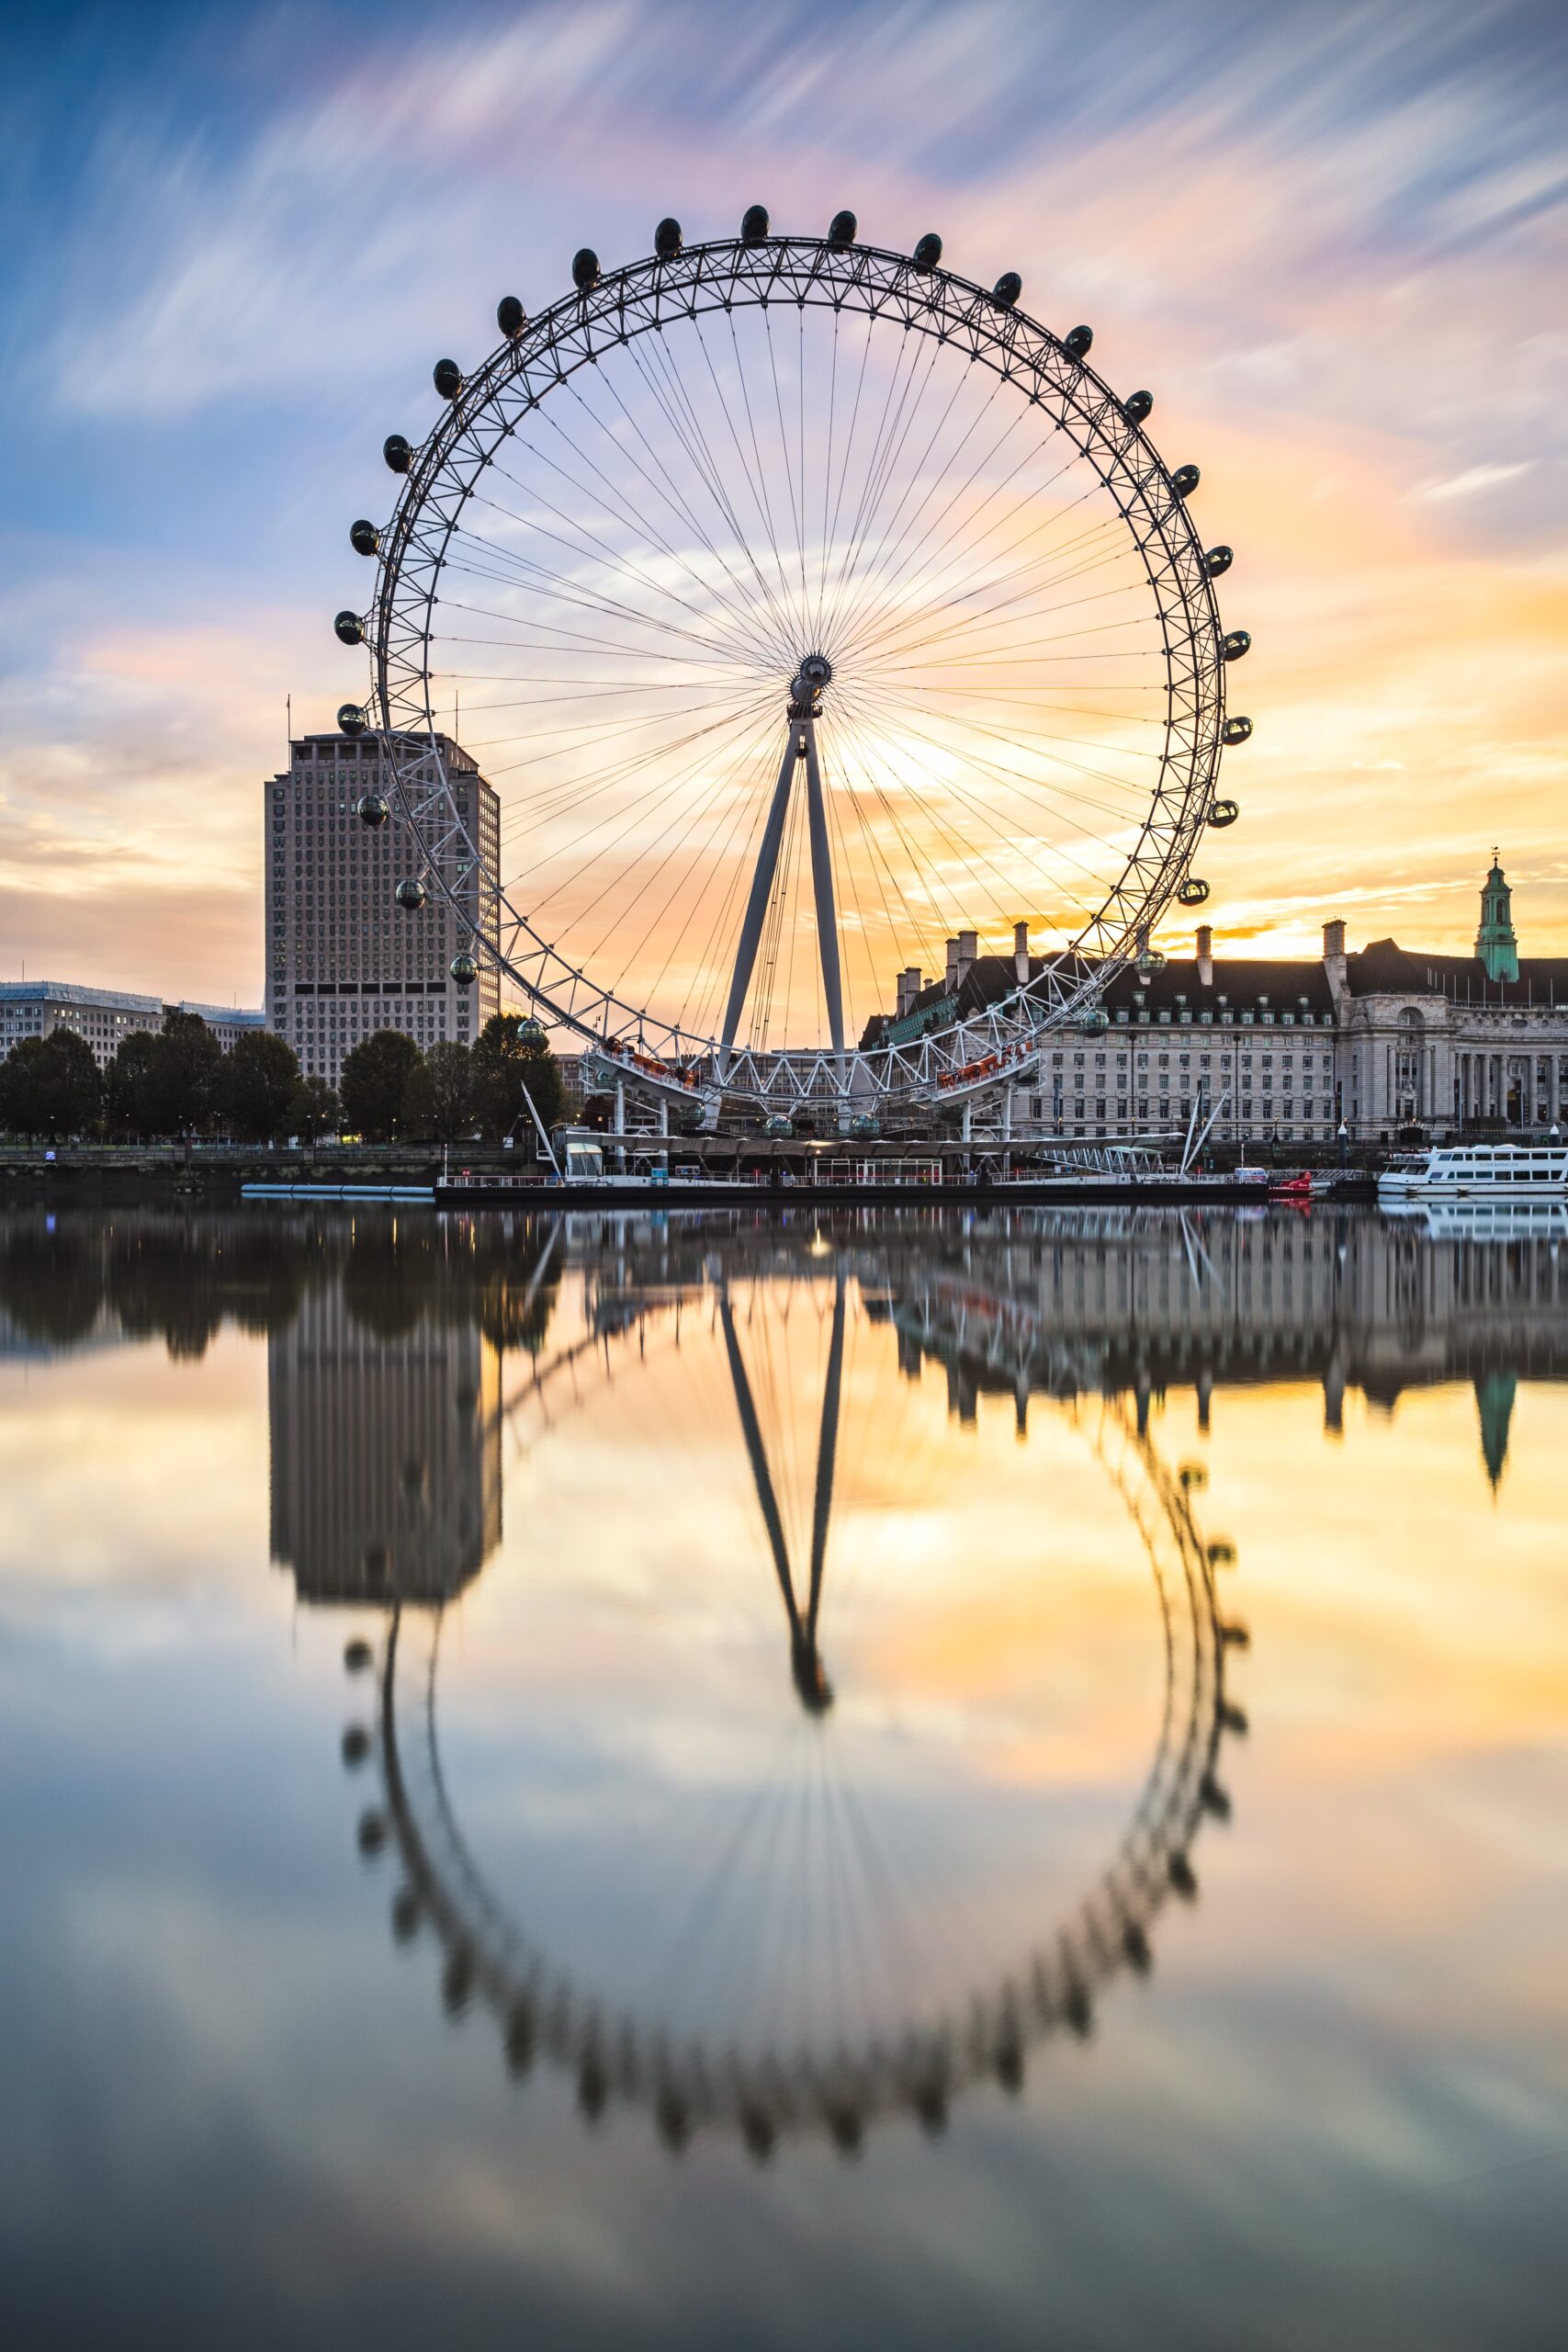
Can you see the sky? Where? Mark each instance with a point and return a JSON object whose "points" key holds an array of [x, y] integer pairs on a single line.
{"points": [[1330, 238]]}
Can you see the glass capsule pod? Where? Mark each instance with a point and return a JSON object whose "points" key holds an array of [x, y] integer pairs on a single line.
{"points": [[668, 239], [533, 1028], [351, 718], [1185, 480], [464, 969], [1224, 813], [1193, 891], [411, 894], [585, 269], [1007, 289], [928, 253], [843, 230], [1238, 642], [364, 538], [779, 1124], [1136, 406], [448, 379], [1238, 731], [349, 629], [754, 225], [397, 452], [1218, 561], [510, 317], [371, 810], [1079, 342]]}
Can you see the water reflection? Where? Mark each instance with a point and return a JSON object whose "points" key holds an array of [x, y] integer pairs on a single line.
{"points": [[796, 1707]]}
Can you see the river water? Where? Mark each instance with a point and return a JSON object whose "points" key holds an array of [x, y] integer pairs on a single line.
{"points": [[718, 1781]]}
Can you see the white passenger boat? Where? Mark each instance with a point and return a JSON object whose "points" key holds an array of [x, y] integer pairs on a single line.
{"points": [[1479, 1171]]}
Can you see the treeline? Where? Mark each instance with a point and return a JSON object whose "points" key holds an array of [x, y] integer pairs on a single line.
{"points": [[177, 1082]]}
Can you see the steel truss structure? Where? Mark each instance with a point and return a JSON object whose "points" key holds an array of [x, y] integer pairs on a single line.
{"points": [[647, 300]]}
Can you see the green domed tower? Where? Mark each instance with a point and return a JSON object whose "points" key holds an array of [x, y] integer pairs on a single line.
{"points": [[1495, 942]]}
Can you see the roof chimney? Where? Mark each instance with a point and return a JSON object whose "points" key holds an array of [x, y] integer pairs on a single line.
{"points": [[1020, 953], [1333, 958], [1205, 956], [950, 975], [911, 980]]}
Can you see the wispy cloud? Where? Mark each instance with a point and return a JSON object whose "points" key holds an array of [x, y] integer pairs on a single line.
{"points": [[1327, 237]]}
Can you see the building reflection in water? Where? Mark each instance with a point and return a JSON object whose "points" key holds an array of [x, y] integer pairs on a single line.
{"points": [[386, 1454]]}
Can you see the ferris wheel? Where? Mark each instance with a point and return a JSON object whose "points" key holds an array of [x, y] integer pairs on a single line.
{"points": [[812, 612]]}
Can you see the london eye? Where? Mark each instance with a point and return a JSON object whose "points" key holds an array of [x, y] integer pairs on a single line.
{"points": [[808, 607]]}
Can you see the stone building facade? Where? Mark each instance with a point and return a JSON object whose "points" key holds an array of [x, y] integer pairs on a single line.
{"points": [[1279, 1049], [103, 1018]]}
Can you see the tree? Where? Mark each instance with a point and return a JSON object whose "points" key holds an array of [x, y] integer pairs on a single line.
{"points": [[257, 1084], [439, 1097], [314, 1109], [509, 1055], [375, 1078], [50, 1086], [126, 1084], [178, 1091]]}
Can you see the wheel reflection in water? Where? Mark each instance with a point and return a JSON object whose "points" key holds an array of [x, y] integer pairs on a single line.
{"points": [[811, 1755]]}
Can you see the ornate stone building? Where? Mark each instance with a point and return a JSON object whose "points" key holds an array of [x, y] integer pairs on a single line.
{"points": [[1384, 1040]]}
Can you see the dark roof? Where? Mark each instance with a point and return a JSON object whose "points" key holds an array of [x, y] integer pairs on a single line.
{"points": [[1243, 981], [1384, 969]]}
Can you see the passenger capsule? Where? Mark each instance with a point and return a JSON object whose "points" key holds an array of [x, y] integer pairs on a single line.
{"points": [[1150, 961], [1095, 1023], [1079, 342], [357, 1655], [364, 538], [397, 453], [754, 225], [372, 1833], [1193, 892], [464, 970], [411, 894], [1136, 406], [1007, 289], [1218, 561], [351, 718], [349, 629], [1238, 731], [355, 1746], [779, 1125], [863, 1126], [667, 240], [1182, 1877], [841, 230], [448, 379], [1185, 480], [533, 1029], [371, 810], [1238, 642], [1224, 813], [928, 253], [585, 269], [510, 317]]}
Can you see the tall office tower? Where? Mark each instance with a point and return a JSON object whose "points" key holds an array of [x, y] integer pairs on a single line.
{"points": [[342, 958], [386, 1454]]}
